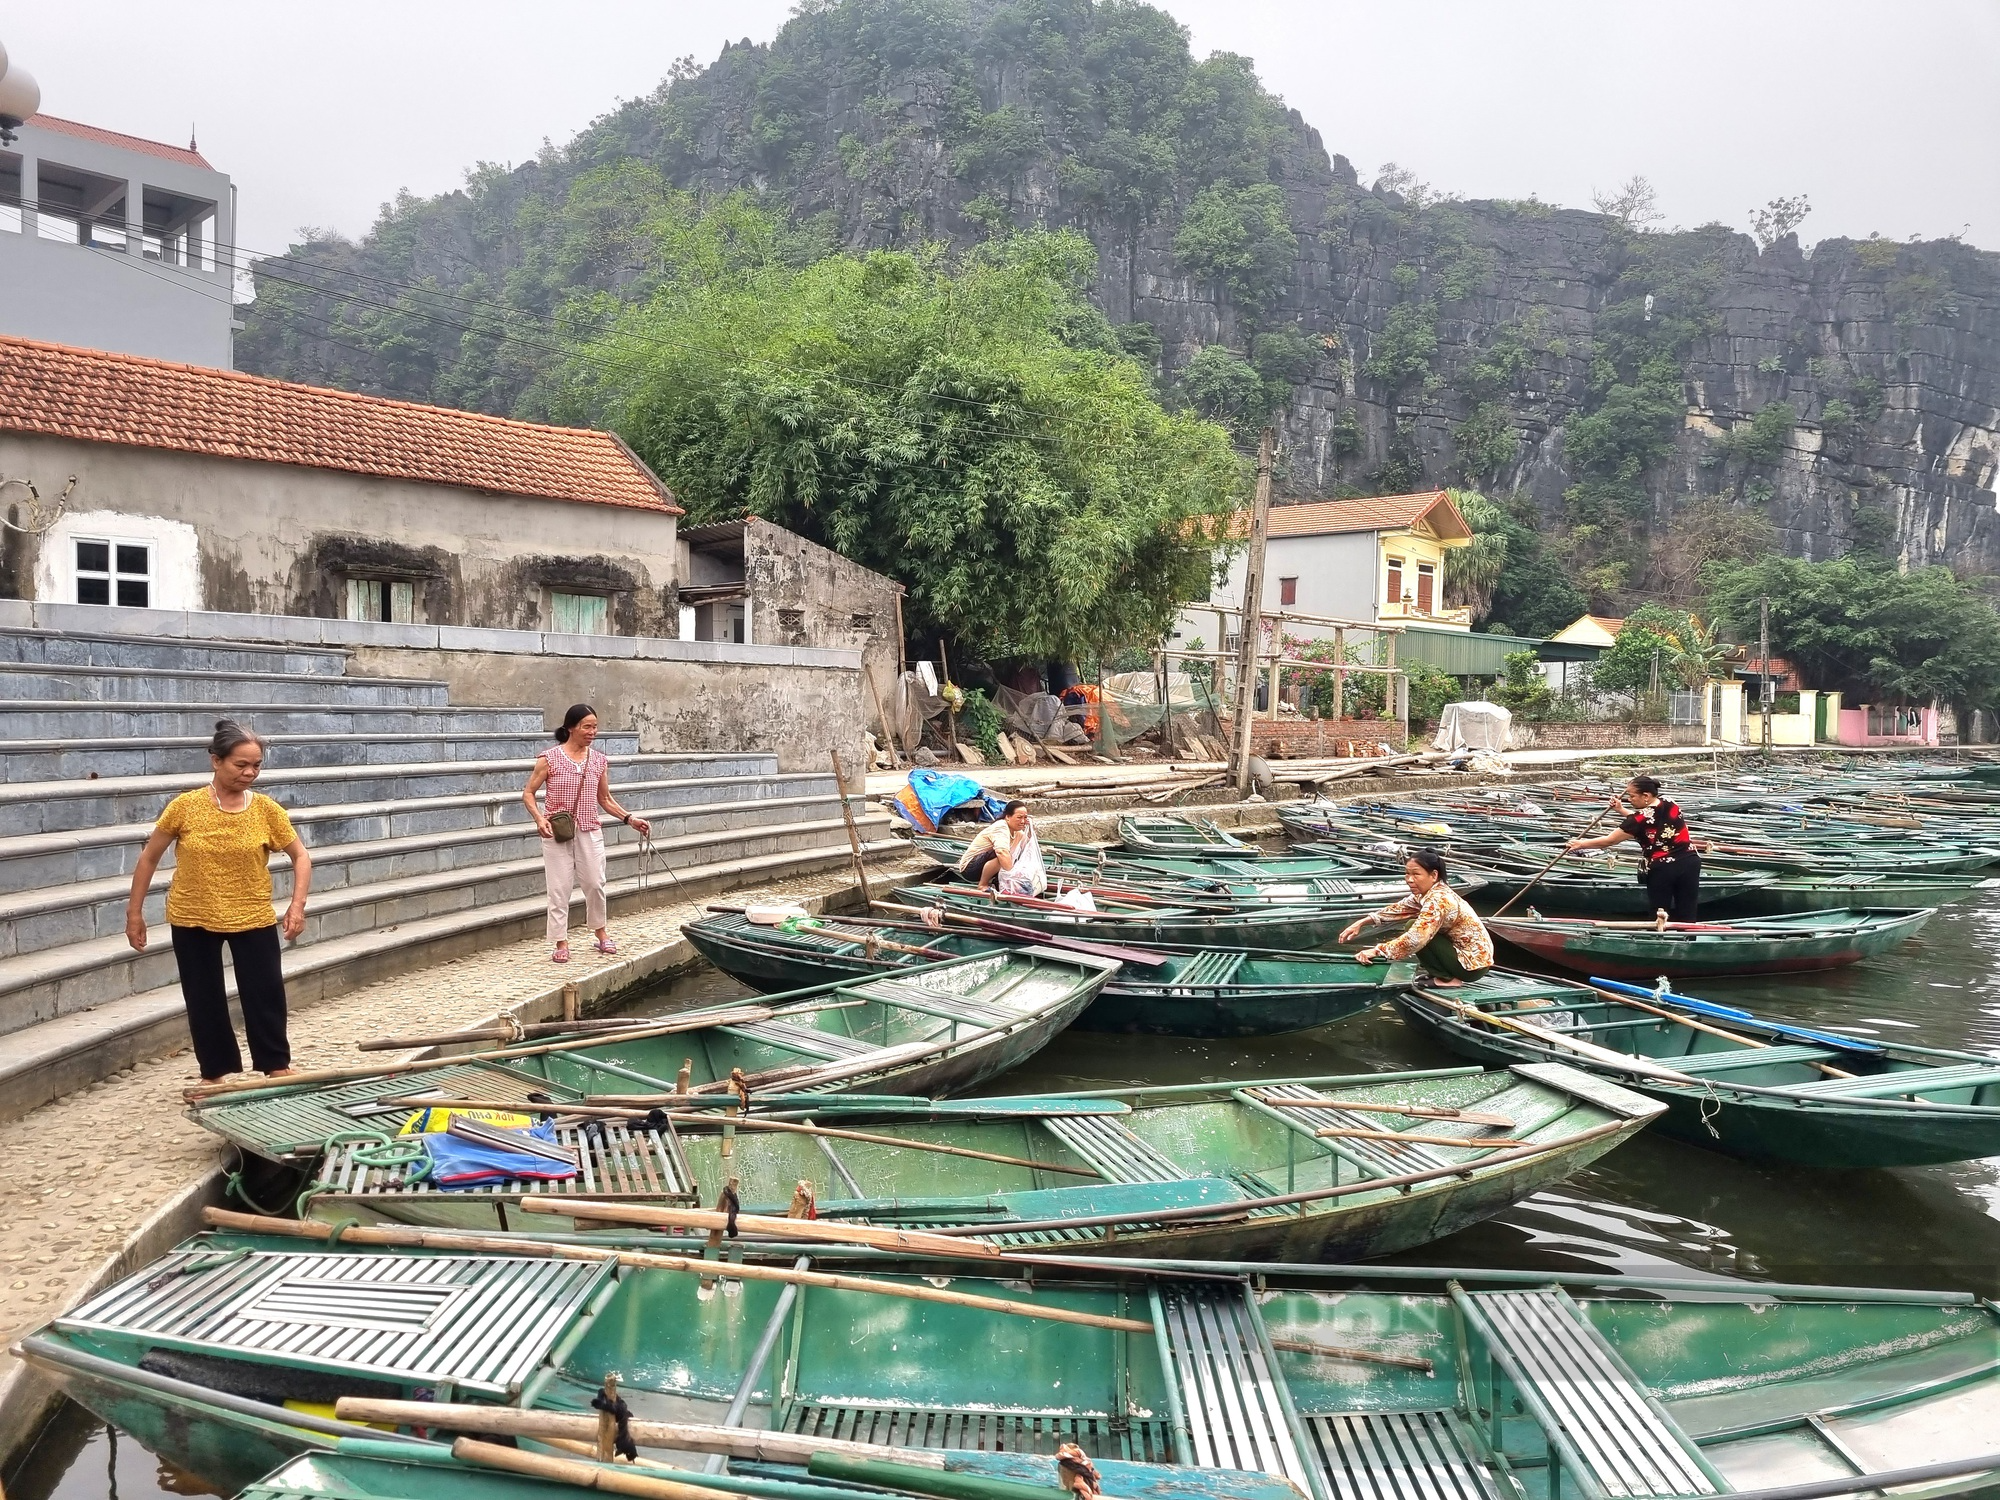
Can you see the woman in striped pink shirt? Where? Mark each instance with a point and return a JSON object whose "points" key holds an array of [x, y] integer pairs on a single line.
{"points": [[576, 776]]}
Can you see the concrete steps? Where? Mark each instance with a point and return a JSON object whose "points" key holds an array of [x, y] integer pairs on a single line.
{"points": [[44, 1062], [409, 803]]}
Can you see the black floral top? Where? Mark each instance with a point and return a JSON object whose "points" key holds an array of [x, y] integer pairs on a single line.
{"points": [[1661, 831]]}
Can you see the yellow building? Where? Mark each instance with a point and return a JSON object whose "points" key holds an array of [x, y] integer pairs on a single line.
{"points": [[1589, 630], [1378, 560]]}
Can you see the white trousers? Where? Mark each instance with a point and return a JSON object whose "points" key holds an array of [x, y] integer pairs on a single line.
{"points": [[580, 862]]}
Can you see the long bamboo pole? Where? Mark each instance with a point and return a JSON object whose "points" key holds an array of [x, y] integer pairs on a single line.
{"points": [[1412, 1111], [1603, 813], [588, 1476], [646, 1260], [1416, 1138], [1694, 1025], [866, 1137], [824, 1231], [687, 1437]]}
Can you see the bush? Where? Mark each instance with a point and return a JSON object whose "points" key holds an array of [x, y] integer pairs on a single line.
{"points": [[1523, 690], [981, 721]]}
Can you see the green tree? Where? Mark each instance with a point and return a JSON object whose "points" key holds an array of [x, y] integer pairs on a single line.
{"points": [[1224, 387], [1649, 635], [1522, 689], [933, 421], [1473, 572], [1239, 238], [1868, 631]]}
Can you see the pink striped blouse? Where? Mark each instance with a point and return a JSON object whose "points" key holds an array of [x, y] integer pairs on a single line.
{"points": [[573, 788]]}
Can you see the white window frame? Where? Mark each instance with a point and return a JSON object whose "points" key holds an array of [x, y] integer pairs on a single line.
{"points": [[112, 574]]}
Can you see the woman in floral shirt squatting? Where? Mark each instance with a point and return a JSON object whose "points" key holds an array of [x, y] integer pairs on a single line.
{"points": [[1447, 937]]}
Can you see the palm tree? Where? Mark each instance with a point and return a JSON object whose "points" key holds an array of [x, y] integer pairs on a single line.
{"points": [[1472, 573], [1698, 657]]}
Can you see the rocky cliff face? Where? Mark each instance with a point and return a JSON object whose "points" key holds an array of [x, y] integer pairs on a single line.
{"points": [[1659, 399]]}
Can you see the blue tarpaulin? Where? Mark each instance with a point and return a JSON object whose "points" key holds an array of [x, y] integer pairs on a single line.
{"points": [[459, 1163], [929, 795]]}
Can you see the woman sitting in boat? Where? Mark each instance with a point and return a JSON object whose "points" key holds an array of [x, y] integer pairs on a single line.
{"points": [[1447, 937], [1670, 869], [999, 853]]}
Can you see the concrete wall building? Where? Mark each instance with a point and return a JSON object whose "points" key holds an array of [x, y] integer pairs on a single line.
{"points": [[108, 241], [200, 489]]}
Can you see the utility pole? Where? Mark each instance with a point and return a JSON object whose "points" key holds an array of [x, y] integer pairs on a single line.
{"points": [[1253, 611], [1764, 674]]}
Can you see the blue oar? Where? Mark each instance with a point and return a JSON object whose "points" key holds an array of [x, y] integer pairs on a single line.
{"points": [[1731, 1013]]}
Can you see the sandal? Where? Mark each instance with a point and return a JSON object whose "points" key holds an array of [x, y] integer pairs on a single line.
{"points": [[607, 945], [560, 956]]}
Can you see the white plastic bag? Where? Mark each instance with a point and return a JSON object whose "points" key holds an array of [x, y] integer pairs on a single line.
{"points": [[1030, 875]]}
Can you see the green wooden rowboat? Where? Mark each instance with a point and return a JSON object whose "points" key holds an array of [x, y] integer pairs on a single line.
{"points": [[1162, 833], [1208, 992], [1784, 1100], [1096, 861], [1748, 945], [1393, 1383], [1832, 892], [1157, 923], [1603, 888], [1237, 1170], [932, 1031]]}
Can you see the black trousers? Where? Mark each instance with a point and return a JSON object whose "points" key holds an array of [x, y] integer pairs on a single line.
{"points": [[977, 867], [260, 989], [1674, 886]]}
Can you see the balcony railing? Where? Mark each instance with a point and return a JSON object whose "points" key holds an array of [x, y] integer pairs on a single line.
{"points": [[1404, 609]]}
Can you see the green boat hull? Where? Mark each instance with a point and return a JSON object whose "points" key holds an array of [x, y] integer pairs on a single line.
{"points": [[1812, 1127], [1612, 892], [1775, 945], [1736, 1385], [1809, 894], [1266, 993], [1293, 929]]}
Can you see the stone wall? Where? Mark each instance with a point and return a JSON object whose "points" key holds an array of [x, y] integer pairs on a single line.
{"points": [[1292, 738], [808, 595], [1603, 736]]}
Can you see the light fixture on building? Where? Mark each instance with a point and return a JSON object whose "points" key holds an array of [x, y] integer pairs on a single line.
{"points": [[20, 96]]}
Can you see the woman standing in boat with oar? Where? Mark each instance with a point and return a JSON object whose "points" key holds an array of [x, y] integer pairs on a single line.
{"points": [[1447, 937], [1670, 869]]}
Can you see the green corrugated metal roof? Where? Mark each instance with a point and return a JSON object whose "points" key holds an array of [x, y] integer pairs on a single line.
{"points": [[1462, 653]]}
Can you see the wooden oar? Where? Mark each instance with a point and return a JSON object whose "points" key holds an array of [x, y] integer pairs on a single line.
{"points": [[688, 1437], [600, 1030], [1413, 1111], [1364, 1356], [1345, 1132], [686, 1117], [621, 1479], [1533, 882], [1645, 1067], [1694, 1025], [824, 1231], [648, 1260]]}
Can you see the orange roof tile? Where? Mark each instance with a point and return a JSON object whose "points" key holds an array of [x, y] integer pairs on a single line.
{"points": [[187, 156], [1374, 513], [95, 397]]}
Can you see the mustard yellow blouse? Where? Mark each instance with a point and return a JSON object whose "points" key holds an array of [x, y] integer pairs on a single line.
{"points": [[222, 872]]}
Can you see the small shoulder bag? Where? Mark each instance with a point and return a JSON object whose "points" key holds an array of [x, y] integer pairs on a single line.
{"points": [[562, 822]]}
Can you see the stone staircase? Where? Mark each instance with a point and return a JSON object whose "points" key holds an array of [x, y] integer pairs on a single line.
{"points": [[411, 806]]}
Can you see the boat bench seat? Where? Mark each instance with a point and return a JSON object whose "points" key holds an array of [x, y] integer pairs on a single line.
{"points": [[1594, 1411], [1376, 1158], [1232, 1400], [1905, 1081], [1134, 1439], [828, 1046], [1205, 969], [1703, 1064], [1398, 1455], [614, 1161], [1113, 1150]]}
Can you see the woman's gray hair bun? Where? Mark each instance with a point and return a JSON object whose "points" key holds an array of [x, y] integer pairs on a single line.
{"points": [[229, 735]]}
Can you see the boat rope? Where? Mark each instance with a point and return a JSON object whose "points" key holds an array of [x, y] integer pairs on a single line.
{"points": [[730, 1205], [197, 1265], [233, 1184], [615, 1407], [336, 1229], [740, 1087]]}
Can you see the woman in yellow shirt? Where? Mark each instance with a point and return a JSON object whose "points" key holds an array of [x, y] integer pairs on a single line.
{"points": [[221, 893]]}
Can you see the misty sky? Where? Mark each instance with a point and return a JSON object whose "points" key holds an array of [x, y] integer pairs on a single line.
{"points": [[1887, 117]]}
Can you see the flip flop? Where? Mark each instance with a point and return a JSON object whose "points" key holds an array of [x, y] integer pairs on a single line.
{"points": [[607, 945], [560, 956]]}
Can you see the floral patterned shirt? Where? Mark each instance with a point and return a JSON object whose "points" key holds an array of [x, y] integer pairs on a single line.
{"points": [[1440, 909], [1661, 831]]}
